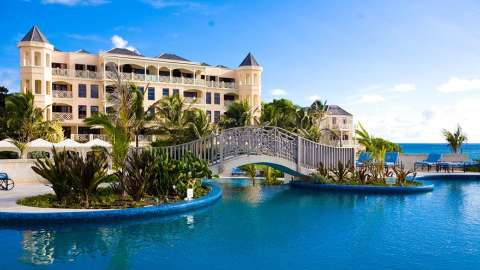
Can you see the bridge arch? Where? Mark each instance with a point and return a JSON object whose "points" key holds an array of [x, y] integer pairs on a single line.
{"points": [[274, 146]]}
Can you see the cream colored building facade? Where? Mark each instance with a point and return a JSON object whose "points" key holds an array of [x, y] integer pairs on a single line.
{"points": [[74, 85], [340, 122]]}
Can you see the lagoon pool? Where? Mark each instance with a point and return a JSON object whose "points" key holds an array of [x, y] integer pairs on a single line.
{"points": [[256, 227]]}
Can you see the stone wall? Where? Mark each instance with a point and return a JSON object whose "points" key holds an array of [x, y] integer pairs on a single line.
{"points": [[20, 170]]}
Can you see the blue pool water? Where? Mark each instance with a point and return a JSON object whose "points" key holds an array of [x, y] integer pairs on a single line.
{"points": [[271, 228], [471, 149]]}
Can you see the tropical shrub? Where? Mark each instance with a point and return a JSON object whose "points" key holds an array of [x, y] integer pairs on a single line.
{"points": [[342, 172], [73, 177], [271, 177], [402, 175], [361, 175], [139, 173], [57, 172], [87, 174]]}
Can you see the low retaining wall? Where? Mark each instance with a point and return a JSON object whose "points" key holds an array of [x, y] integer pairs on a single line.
{"points": [[450, 176], [20, 170], [362, 188], [50, 216]]}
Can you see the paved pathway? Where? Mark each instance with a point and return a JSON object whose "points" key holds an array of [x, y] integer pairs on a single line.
{"points": [[8, 199]]}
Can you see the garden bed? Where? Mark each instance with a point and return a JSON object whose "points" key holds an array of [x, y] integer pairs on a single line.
{"points": [[46, 216], [413, 187], [105, 199]]}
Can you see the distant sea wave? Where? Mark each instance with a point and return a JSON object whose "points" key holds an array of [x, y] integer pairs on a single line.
{"points": [[471, 149]]}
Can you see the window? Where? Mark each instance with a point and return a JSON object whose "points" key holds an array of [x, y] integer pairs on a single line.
{"points": [[109, 110], [176, 92], [151, 93], [38, 59], [79, 67], [38, 87], [92, 68], [345, 137], [82, 111], [344, 121], [47, 87], [82, 90], [209, 116], [216, 98], [93, 110], [209, 98], [166, 92], [334, 120], [47, 60], [26, 59], [94, 91], [27, 86], [216, 116]]}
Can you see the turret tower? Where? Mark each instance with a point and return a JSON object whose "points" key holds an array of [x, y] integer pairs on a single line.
{"points": [[249, 74], [36, 68]]}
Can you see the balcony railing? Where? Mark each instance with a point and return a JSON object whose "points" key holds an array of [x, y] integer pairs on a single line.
{"points": [[88, 137], [340, 126], [140, 77], [60, 72], [62, 94], [62, 116]]}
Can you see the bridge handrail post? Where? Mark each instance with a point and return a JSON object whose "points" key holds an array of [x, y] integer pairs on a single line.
{"points": [[299, 152]]}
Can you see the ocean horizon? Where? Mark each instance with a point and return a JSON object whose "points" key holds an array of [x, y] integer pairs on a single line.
{"points": [[470, 149]]}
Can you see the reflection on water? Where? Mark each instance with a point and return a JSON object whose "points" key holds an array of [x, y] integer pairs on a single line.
{"points": [[256, 224]]}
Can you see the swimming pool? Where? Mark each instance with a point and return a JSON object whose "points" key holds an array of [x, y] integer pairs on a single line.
{"points": [[271, 228]]}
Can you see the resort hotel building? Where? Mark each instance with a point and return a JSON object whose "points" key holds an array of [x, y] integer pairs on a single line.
{"points": [[74, 85]]}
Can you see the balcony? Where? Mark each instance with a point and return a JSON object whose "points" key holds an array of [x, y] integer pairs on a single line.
{"points": [[87, 74], [62, 94], [109, 75], [60, 72], [76, 73], [62, 116], [88, 137], [340, 126]]}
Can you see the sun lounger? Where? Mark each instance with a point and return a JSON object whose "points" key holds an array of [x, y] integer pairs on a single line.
{"points": [[391, 159], [450, 166], [363, 158], [5, 182], [433, 159]]}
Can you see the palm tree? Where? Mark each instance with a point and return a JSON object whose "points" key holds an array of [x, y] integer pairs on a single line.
{"points": [[24, 121], [238, 114], [172, 118], [251, 172], [120, 124], [318, 109], [199, 124], [141, 116], [456, 139]]}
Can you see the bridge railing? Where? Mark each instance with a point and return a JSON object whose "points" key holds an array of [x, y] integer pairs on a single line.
{"points": [[270, 141]]}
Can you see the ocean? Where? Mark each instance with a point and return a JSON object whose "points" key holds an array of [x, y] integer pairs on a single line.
{"points": [[471, 149]]}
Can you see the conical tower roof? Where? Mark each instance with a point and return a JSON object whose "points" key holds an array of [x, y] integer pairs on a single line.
{"points": [[35, 35], [249, 61]]}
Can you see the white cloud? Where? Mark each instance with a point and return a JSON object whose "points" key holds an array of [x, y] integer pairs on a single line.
{"points": [[404, 87], [371, 98], [314, 97], [119, 42], [9, 79], [278, 92], [159, 4], [76, 2], [455, 84]]}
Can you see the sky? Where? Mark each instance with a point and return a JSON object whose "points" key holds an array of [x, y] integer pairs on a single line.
{"points": [[404, 69]]}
